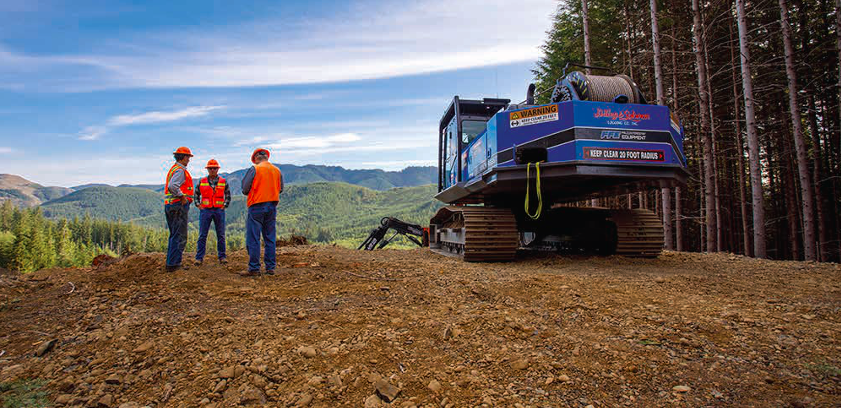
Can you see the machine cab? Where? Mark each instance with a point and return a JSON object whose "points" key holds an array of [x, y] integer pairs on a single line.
{"points": [[463, 121]]}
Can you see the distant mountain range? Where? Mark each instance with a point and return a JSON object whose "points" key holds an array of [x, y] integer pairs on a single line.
{"points": [[25, 193]]}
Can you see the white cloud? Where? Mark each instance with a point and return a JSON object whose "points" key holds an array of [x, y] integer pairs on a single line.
{"points": [[95, 132], [375, 39], [6, 150], [158, 117], [314, 142]]}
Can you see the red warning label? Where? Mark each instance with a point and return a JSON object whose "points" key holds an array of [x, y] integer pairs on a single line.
{"points": [[600, 153]]}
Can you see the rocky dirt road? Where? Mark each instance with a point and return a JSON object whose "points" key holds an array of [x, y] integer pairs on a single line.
{"points": [[338, 327]]}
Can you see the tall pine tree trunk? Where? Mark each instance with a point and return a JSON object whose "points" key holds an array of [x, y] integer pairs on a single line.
{"points": [[714, 157], [817, 175], [661, 100], [678, 195], [799, 143], [585, 15], [758, 201], [701, 62], [740, 146]]}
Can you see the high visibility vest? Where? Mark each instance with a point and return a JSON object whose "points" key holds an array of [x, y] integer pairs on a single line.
{"points": [[266, 185], [186, 188], [212, 197]]}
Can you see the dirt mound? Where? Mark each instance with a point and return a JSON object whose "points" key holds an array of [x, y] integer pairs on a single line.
{"points": [[337, 327], [293, 240]]}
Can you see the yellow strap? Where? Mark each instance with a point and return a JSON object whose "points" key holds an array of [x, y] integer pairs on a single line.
{"points": [[537, 213]]}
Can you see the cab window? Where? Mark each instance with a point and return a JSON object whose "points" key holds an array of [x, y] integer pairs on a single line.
{"points": [[470, 129]]}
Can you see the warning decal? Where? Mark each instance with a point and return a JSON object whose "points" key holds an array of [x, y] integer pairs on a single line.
{"points": [[598, 153], [534, 116]]}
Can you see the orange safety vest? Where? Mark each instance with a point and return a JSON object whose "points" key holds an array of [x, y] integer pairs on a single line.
{"points": [[266, 185], [186, 188], [212, 197]]}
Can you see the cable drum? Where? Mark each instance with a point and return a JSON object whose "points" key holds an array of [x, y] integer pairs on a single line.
{"points": [[603, 88]]}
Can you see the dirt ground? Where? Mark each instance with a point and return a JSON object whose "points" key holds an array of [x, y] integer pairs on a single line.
{"points": [[338, 327]]}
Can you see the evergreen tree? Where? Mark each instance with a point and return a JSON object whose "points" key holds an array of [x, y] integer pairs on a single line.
{"points": [[21, 258], [64, 245], [6, 212]]}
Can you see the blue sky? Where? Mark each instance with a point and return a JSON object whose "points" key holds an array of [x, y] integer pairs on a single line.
{"points": [[104, 91]]}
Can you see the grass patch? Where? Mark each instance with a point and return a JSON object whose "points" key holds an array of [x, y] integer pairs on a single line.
{"points": [[825, 368], [24, 393]]}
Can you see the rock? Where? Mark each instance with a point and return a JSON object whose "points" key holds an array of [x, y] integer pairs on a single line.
{"points": [[131, 404], [144, 347], [335, 381], [252, 395], [167, 392], [304, 400], [681, 388], [563, 378], [114, 379], [259, 381], [107, 401], [11, 372], [307, 352], [373, 401], [220, 386], [434, 386], [45, 347], [228, 372], [204, 401], [386, 390], [238, 371], [549, 381], [660, 279], [315, 381], [520, 364], [63, 399]]}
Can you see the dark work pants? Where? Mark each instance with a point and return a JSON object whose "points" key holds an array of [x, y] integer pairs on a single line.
{"points": [[176, 220], [206, 216], [261, 221]]}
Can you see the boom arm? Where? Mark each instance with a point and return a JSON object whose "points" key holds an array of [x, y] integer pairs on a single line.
{"points": [[376, 239]]}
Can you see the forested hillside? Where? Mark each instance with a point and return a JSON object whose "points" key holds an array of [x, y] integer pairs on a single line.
{"points": [[323, 212], [756, 85], [126, 204]]}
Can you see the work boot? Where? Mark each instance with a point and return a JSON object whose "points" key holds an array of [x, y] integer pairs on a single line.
{"points": [[223, 261], [172, 268], [197, 262], [249, 274], [270, 272]]}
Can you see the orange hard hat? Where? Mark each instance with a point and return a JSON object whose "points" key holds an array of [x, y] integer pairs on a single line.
{"points": [[258, 151], [183, 150], [212, 164]]}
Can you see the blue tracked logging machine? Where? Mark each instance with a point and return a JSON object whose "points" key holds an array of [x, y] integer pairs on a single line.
{"points": [[510, 173]]}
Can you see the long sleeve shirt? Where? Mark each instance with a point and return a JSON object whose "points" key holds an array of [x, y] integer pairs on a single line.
{"points": [[213, 182], [248, 179], [176, 180]]}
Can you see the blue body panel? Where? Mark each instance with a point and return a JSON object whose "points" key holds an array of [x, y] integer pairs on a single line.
{"points": [[578, 131]]}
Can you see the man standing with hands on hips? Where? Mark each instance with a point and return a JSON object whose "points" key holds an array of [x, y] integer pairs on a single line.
{"points": [[212, 199], [178, 195], [263, 184]]}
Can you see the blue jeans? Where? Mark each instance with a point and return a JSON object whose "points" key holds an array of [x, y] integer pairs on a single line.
{"points": [[261, 221], [217, 216], [176, 220]]}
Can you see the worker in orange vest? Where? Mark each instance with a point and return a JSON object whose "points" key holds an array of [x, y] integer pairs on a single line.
{"points": [[263, 184], [178, 194], [212, 198]]}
